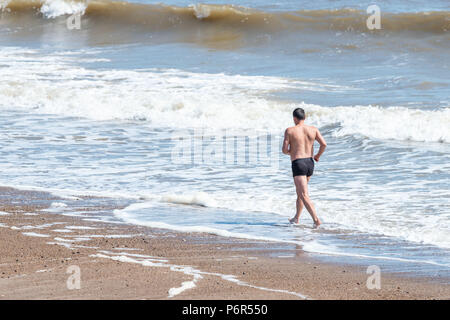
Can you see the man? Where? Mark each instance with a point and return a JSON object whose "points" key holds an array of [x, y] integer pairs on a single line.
{"points": [[299, 144]]}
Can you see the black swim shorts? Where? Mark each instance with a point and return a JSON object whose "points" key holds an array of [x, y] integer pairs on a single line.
{"points": [[303, 167]]}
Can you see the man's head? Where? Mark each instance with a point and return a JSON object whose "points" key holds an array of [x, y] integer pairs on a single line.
{"points": [[299, 115]]}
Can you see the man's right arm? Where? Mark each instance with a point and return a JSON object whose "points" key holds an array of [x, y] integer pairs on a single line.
{"points": [[322, 143], [285, 148]]}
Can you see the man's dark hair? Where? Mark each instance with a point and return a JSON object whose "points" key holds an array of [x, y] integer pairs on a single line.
{"points": [[299, 113]]}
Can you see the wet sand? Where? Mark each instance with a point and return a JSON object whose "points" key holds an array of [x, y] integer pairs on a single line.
{"points": [[119, 261]]}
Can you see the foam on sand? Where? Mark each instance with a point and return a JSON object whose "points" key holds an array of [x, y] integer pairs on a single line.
{"points": [[188, 270], [62, 230], [186, 285], [80, 228], [34, 234], [41, 226]]}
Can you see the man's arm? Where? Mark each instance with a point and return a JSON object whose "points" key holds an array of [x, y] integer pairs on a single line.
{"points": [[323, 145], [285, 148]]}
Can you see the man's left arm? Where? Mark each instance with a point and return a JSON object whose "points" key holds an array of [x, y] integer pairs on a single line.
{"points": [[322, 143]]}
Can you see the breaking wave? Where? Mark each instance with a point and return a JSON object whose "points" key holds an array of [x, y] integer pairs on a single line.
{"points": [[157, 17], [55, 84]]}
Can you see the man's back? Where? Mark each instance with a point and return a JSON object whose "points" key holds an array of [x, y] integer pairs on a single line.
{"points": [[299, 144], [301, 141]]}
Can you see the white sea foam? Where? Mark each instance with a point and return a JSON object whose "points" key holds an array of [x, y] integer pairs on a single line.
{"points": [[58, 205], [69, 193], [63, 244], [55, 8], [201, 11], [61, 193], [135, 255], [41, 226], [200, 199], [185, 285], [43, 270], [75, 239], [4, 4], [398, 123], [188, 270], [110, 236], [189, 99]]}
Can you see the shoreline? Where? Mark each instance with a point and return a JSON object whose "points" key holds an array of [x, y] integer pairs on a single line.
{"points": [[120, 261]]}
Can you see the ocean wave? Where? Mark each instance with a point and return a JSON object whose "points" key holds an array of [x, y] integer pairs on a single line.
{"points": [[392, 123], [237, 18], [55, 84]]}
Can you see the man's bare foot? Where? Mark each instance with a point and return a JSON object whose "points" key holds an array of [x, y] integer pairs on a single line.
{"points": [[293, 221], [317, 224]]}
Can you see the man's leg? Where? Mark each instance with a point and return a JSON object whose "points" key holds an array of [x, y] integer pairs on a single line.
{"points": [[301, 186], [299, 206]]}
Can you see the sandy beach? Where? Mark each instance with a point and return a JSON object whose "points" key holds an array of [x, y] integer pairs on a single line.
{"points": [[118, 261]]}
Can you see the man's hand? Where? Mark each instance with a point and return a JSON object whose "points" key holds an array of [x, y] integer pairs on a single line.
{"points": [[316, 157]]}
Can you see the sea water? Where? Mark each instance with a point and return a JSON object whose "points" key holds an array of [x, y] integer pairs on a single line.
{"points": [[181, 109]]}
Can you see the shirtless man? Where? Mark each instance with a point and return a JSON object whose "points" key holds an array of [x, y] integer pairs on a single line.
{"points": [[299, 144]]}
